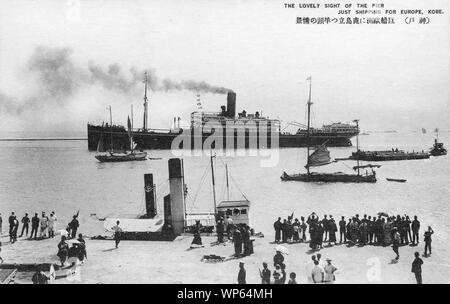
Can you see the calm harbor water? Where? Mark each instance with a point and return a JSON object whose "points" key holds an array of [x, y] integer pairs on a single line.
{"points": [[63, 176]]}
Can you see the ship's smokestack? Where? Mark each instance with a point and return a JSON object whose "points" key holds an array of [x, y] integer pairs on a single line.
{"points": [[231, 104], [177, 207]]}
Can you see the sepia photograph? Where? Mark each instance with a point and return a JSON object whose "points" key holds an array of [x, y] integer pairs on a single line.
{"points": [[221, 143]]}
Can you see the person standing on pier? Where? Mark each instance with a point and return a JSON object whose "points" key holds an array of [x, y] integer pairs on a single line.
{"points": [[324, 225], [304, 227], [415, 227], [342, 232], [230, 226], [237, 240], [82, 254], [74, 224], [15, 228], [317, 273], [265, 274], [416, 268], [329, 270], [396, 242], [63, 250], [332, 228], [25, 225], [220, 230], [277, 226], [284, 231], [34, 226], [117, 233], [1, 225], [44, 225], [408, 228], [11, 222], [242, 274], [427, 239], [296, 231], [52, 224]]}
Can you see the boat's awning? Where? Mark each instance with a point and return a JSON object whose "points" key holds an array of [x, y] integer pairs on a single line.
{"points": [[233, 204]]}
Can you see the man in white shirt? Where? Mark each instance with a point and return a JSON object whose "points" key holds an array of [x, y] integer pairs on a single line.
{"points": [[117, 233], [44, 225], [52, 224], [308, 269], [317, 273], [329, 272]]}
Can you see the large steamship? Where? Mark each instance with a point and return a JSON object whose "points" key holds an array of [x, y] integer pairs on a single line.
{"points": [[247, 130]]}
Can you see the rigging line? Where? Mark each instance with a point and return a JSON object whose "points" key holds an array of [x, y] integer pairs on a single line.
{"points": [[237, 186], [201, 184]]}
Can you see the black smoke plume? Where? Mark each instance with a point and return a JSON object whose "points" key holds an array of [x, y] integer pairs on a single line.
{"points": [[59, 78]]}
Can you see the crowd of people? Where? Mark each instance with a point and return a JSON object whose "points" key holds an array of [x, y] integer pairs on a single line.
{"points": [[381, 229], [317, 271], [240, 234], [41, 227]]}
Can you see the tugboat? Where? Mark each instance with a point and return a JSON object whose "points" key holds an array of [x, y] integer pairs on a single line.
{"points": [[438, 149], [321, 157]]}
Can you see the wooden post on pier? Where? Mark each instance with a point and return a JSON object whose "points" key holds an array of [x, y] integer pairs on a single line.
{"points": [[150, 191]]}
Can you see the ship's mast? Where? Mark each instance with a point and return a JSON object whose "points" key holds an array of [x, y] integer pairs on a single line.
{"points": [[131, 130], [213, 183], [228, 185], [111, 128], [308, 126], [357, 143], [145, 102]]}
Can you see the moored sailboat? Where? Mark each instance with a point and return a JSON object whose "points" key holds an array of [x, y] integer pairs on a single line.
{"points": [[114, 156], [321, 157]]}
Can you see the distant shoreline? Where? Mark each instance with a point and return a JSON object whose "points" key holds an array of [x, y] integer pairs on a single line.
{"points": [[40, 139]]}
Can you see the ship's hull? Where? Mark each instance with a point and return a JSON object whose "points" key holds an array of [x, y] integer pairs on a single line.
{"points": [[329, 178], [373, 156], [163, 139], [113, 157]]}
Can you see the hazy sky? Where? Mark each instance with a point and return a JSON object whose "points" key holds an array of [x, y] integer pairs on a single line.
{"points": [[63, 62]]}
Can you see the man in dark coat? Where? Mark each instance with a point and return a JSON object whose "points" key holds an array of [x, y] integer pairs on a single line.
{"points": [[237, 240], [427, 239], [74, 224], [284, 231], [342, 226], [332, 228], [25, 223], [416, 268], [34, 225], [277, 226], [242, 274], [220, 230], [265, 274], [415, 227], [11, 222]]}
